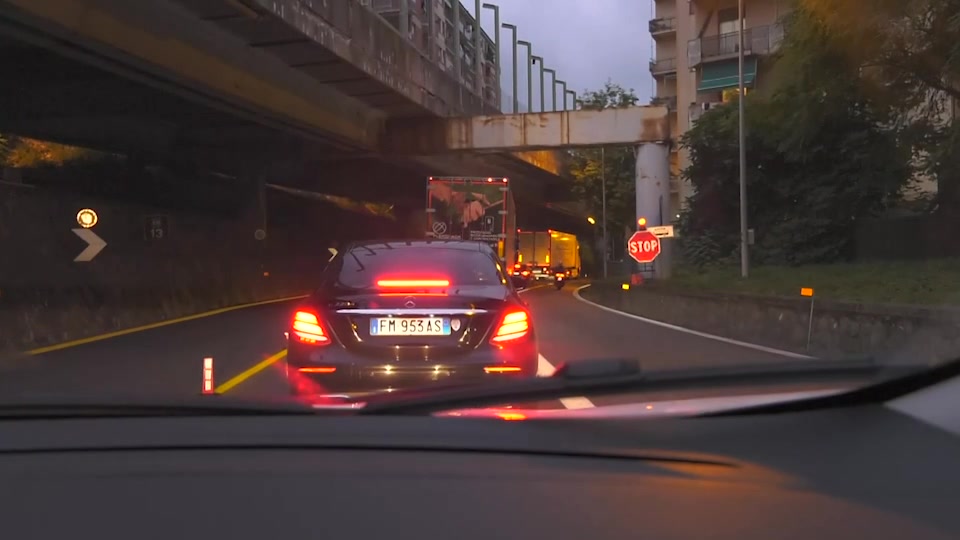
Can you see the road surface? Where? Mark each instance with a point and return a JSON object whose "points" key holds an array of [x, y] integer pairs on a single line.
{"points": [[247, 347]]}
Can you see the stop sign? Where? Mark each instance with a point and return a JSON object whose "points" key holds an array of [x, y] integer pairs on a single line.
{"points": [[643, 246]]}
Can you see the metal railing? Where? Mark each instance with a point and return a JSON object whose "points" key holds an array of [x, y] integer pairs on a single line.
{"points": [[662, 25], [663, 65], [757, 40], [670, 102]]}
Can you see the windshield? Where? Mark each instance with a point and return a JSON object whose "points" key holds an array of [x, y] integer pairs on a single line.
{"points": [[260, 215]]}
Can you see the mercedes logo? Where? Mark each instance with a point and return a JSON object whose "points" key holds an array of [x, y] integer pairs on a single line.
{"points": [[409, 303]]}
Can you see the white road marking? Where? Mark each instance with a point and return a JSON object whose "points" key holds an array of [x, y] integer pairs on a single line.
{"points": [[662, 324], [545, 369]]}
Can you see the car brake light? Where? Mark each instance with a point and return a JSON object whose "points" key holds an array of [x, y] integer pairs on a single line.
{"points": [[307, 329], [515, 325], [395, 283]]}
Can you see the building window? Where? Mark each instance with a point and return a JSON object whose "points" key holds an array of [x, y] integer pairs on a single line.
{"points": [[729, 94]]}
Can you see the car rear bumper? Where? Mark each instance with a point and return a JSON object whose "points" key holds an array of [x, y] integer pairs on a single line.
{"points": [[334, 370]]}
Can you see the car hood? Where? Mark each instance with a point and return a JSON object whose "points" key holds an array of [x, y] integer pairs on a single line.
{"points": [[645, 409]]}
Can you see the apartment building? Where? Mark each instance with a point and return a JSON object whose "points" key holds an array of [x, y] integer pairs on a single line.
{"points": [[695, 64], [441, 49]]}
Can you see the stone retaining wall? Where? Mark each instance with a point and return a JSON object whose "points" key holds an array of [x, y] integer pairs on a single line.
{"points": [[840, 329]]}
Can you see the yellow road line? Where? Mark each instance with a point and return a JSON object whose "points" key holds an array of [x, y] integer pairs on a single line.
{"points": [[225, 387], [91, 339]]}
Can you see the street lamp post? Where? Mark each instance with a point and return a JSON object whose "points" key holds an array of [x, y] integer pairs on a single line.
{"points": [[529, 47], [478, 52], [744, 256], [457, 53], [496, 45], [405, 20], [553, 87], [516, 98], [543, 107], [603, 203]]}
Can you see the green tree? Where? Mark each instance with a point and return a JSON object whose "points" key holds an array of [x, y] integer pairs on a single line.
{"points": [[616, 164], [910, 58], [821, 156], [34, 153]]}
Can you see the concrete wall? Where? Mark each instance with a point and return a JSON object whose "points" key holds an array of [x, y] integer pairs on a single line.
{"points": [[210, 259], [840, 330]]}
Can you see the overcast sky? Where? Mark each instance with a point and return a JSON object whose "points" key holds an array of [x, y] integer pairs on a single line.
{"points": [[586, 41]]}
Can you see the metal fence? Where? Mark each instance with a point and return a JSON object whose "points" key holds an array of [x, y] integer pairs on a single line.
{"points": [[670, 102], [663, 24], [663, 65], [757, 40]]}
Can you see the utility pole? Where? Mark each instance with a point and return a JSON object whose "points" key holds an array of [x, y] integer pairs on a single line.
{"points": [[744, 255]]}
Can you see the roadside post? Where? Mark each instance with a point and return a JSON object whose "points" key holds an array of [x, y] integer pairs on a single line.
{"points": [[208, 376], [808, 291]]}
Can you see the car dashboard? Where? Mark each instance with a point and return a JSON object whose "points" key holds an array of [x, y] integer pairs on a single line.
{"points": [[858, 472]]}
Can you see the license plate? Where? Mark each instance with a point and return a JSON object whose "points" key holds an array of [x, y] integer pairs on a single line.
{"points": [[396, 326]]}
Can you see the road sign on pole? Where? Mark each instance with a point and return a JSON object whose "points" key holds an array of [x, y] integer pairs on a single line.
{"points": [[643, 247], [662, 231]]}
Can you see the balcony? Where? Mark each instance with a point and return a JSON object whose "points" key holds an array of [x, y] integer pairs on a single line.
{"points": [[759, 40], [670, 102], [663, 66], [664, 26]]}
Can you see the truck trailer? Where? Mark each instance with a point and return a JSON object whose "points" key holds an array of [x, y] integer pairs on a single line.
{"points": [[473, 208], [541, 251]]}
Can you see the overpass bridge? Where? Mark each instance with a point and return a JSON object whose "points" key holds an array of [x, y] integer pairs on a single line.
{"points": [[300, 89]]}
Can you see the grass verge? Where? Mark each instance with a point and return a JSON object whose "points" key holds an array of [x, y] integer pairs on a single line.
{"points": [[932, 282]]}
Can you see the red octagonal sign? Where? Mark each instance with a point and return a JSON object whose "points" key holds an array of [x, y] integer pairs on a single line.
{"points": [[643, 246]]}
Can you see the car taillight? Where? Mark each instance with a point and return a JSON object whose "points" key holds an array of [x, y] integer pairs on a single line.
{"points": [[514, 325], [307, 329]]}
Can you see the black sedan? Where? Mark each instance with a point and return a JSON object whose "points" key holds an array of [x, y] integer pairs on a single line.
{"points": [[396, 314]]}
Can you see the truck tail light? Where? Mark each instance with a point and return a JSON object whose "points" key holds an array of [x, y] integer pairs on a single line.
{"points": [[514, 325], [307, 329]]}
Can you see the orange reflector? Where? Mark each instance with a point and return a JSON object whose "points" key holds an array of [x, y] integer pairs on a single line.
{"points": [[515, 325], [501, 369], [208, 375], [806, 291], [319, 369], [413, 283]]}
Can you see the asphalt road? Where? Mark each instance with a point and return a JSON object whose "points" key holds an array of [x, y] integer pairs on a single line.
{"points": [[247, 347]]}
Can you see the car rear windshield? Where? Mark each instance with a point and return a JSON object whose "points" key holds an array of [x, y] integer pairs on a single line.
{"points": [[362, 267]]}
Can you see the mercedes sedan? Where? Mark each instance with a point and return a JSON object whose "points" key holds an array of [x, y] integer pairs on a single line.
{"points": [[393, 314]]}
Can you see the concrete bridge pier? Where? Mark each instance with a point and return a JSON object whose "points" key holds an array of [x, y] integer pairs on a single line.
{"points": [[653, 199]]}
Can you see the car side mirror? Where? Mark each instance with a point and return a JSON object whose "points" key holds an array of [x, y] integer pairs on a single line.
{"points": [[518, 283]]}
